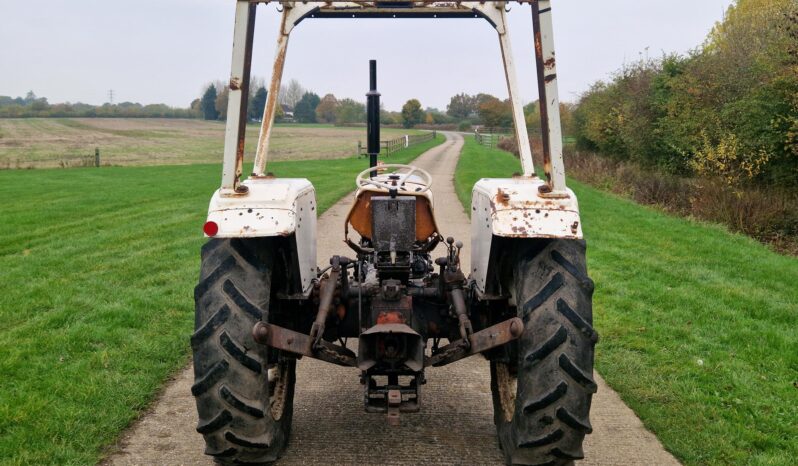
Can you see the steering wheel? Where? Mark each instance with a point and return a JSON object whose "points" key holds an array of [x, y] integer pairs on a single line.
{"points": [[402, 172]]}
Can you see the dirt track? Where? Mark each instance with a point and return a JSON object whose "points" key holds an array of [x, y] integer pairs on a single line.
{"points": [[330, 427]]}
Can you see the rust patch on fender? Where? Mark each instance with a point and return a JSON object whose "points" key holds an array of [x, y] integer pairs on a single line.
{"points": [[502, 198]]}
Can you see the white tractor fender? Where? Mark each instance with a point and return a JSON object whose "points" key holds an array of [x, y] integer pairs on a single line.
{"points": [[514, 208], [272, 207]]}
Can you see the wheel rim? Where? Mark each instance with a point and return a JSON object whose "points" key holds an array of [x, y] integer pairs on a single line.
{"points": [[278, 388], [507, 386]]}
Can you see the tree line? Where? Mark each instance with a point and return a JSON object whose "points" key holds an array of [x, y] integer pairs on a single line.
{"points": [[297, 104], [727, 110], [305, 106], [32, 106]]}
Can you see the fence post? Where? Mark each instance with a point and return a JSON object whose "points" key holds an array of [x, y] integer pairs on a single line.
{"points": [[96, 156], [359, 149]]}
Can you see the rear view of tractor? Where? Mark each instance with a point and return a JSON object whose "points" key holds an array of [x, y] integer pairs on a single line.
{"points": [[399, 292]]}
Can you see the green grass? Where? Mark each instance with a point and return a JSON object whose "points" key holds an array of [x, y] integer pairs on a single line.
{"points": [[96, 307], [699, 327]]}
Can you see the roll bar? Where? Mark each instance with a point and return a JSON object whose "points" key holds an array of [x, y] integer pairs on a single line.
{"points": [[294, 12]]}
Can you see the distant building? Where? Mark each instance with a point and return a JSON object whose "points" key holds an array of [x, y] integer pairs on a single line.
{"points": [[288, 113]]}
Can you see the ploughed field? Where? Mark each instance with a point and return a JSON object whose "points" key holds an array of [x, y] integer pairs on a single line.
{"points": [[57, 142]]}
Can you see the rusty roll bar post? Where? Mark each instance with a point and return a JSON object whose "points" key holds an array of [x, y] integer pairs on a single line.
{"points": [[551, 129], [293, 13], [270, 109], [519, 120], [373, 117], [236, 128]]}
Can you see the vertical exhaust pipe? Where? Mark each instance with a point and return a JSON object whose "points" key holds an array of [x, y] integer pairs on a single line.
{"points": [[373, 117]]}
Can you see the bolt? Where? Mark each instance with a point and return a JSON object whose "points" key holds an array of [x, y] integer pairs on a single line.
{"points": [[516, 328], [260, 332]]}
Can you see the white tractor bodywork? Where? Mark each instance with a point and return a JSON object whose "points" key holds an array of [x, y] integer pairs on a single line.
{"points": [[273, 207], [514, 208], [522, 207]]}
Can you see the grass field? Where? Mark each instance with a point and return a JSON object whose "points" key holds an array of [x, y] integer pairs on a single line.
{"points": [[39, 142], [98, 268], [699, 327]]}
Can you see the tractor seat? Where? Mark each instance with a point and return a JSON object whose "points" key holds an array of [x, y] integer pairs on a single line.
{"points": [[360, 215]]}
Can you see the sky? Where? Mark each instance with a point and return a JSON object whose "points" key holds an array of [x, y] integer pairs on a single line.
{"points": [[165, 51]]}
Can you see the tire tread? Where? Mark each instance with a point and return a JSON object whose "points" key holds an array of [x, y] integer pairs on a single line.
{"points": [[231, 381], [554, 370]]}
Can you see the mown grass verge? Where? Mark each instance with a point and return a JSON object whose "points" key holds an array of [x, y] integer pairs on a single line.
{"points": [[96, 307], [699, 326]]}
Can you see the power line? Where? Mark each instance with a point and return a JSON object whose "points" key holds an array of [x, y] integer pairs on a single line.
{"points": [[111, 96]]}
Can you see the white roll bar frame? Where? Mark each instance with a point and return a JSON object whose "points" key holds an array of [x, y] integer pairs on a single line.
{"points": [[296, 11]]}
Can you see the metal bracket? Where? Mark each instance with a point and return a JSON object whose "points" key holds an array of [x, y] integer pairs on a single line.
{"points": [[489, 338], [299, 343], [393, 398]]}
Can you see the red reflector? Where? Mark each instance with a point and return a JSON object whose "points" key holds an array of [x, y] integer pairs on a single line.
{"points": [[210, 228]]}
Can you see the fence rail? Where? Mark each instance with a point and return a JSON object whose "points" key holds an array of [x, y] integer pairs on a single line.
{"points": [[74, 161], [392, 146], [489, 137]]}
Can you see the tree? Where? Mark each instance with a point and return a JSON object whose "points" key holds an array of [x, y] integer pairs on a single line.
{"points": [[412, 114], [39, 105], [258, 104], [462, 106], [532, 115], [208, 104], [196, 108], [291, 94], [349, 112], [305, 110], [222, 99], [325, 111], [496, 113], [567, 119], [435, 116]]}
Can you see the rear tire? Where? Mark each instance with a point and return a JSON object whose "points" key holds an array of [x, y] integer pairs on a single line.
{"points": [[245, 404], [542, 393]]}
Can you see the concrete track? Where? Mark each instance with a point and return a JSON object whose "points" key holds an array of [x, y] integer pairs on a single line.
{"points": [[455, 425]]}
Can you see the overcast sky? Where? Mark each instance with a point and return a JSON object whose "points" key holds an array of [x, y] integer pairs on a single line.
{"points": [[154, 51]]}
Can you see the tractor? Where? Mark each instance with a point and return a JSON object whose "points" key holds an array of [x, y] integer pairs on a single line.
{"points": [[263, 303]]}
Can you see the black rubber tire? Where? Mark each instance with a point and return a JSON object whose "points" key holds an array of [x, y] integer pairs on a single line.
{"points": [[551, 378], [241, 423]]}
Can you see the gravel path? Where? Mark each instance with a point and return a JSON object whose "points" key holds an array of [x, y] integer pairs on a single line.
{"points": [[455, 425]]}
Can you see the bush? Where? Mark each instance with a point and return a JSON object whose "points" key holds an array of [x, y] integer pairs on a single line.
{"points": [[767, 214], [508, 144], [728, 110]]}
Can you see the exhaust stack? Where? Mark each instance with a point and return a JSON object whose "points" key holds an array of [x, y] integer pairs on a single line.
{"points": [[373, 117]]}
